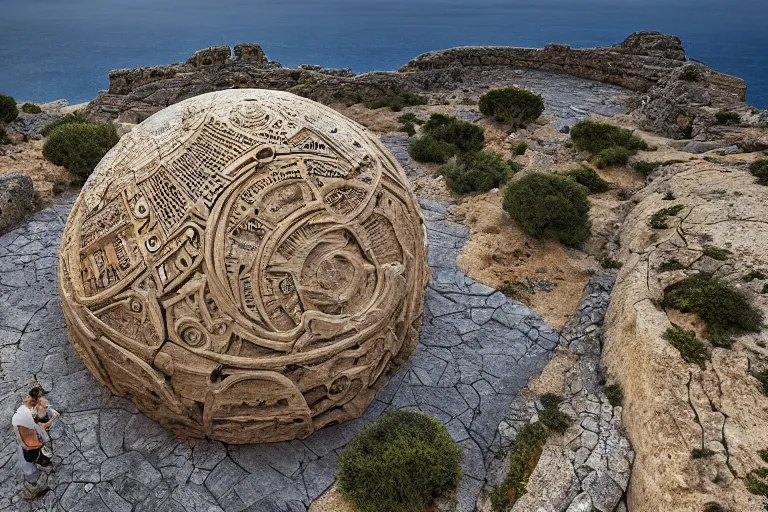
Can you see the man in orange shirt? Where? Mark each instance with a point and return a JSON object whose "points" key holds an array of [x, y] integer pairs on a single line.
{"points": [[34, 464]]}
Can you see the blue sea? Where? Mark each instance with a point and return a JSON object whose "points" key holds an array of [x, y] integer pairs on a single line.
{"points": [[51, 49]]}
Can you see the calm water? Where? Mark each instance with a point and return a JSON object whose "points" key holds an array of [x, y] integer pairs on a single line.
{"points": [[52, 49]]}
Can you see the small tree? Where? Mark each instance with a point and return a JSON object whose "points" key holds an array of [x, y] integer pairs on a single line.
{"points": [[512, 104], [549, 206], [8, 109], [476, 172], [79, 147]]}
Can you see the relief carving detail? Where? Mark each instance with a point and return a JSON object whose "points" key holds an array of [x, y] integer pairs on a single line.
{"points": [[245, 265]]}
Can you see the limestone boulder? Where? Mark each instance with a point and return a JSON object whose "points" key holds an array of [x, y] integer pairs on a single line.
{"points": [[672, 407], [17, 199]]}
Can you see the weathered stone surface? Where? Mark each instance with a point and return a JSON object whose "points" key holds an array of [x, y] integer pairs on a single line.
{"points": [[17, 199], [672, 407], [247, 265], [466, 371]]}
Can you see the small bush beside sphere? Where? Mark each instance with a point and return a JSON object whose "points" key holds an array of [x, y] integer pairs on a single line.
{"points": [[401, 462], [79, 147]]}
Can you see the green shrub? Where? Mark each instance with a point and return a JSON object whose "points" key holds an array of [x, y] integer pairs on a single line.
{"points": [[79, 147], [408, 128], [31, 108], [612, 157], [757, 482], [8, 109], [725, 309], [4, 139], [759, 169], [762, 377], [515, 167], [614, 394], [595, 136], [429, 149], [659, 219], [512, 104], [690, 74], [727, 117], [701, 453], [765, 288], [716, 253], [521, 148], [465, 136], [410, 117], [476, 172], [609, 263], [714, 507], [552, 417], [399, 463], [512, 290], [549, 206], [690, 347], [397, 102], [523, 457], [756, 274], [669, 196], [670, 265], [645, 168], [589, 178], [763, 454], [71, 118]]}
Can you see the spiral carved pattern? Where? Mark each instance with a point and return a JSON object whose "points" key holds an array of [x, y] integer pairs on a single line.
{"points": [[245, 265]]}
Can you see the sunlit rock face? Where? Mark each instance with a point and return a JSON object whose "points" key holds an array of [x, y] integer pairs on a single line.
{"points": [[246, 265]]}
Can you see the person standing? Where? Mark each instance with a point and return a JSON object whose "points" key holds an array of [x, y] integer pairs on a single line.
{"points": [[34, 464]]}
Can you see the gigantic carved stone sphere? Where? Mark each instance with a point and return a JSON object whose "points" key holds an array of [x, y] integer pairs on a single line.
{"points": [[245, 265]]}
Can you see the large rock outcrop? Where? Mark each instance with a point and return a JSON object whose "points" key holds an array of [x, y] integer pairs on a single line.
{"points": [[673, 407], [248, 266]]}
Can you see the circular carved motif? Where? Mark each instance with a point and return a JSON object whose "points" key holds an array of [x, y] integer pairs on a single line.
{"points": [[245, 265]]}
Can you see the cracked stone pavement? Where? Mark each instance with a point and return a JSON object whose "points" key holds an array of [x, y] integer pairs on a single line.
{"points": [[477, 350]]}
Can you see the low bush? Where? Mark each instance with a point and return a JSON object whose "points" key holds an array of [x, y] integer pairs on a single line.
{"points": [[609, 263], [521, 148], [8, 109], [615, 394], [671, 264], [645, 168], [714, 507], [716, 253], [669, 196], [762, 377], [444, 136], [410, 118], [612, 157], [429, 149], [759, 169], [757, 482], [408, 128], [589, 178], [701, 453], [4, 139], [659, 219], [552, 417], [595, 136], [523, 457], [690, 74], [79, 147], [727, 117], [476, 172], [690, 347], [763, 454], [31, 108], [725, 309], [71, 118], [401, 462], [515, 167], [756, 274], [397, 102], [549, 206], [512, 104]]}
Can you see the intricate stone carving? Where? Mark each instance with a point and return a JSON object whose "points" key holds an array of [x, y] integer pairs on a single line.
{"points": [[246, 265]]}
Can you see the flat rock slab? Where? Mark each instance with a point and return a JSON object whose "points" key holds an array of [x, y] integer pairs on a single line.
{"points": [[477, 350]]}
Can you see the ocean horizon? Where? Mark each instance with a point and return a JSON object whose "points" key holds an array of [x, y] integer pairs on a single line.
{"points": [[54, 50]]}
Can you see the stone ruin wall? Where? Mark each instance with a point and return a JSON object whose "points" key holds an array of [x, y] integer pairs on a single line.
{"points": [[638, 63]]}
